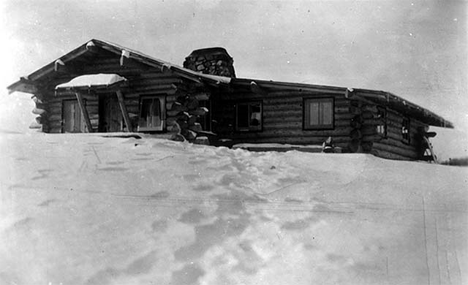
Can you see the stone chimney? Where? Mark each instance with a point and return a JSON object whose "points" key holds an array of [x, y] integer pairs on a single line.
{"points": [[215, 61]]}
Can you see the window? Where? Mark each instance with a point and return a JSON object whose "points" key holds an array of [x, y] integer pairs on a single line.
{"points": [[318, 113], [405, 130], [152, 114], [249, 116], [382, 122]]}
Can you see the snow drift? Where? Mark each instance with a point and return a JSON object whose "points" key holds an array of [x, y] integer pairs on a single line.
{"points": [[87, 209]]}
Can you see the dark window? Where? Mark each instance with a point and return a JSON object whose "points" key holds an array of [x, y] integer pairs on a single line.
{"points": [[249, 116], [405, 130], [318, 113], [152, 110], [382, 122]]}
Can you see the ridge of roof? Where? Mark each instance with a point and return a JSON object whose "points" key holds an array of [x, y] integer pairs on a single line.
{"points": [[36, 75], [29, 83]]}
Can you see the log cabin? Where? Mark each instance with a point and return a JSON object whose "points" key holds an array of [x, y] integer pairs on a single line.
{"points": [[203, 100]]}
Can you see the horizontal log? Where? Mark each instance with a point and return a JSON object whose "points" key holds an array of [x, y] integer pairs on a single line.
{"points": [[171, 98], [196, 127], [391, 115], [55, 124], [200, 111], [281, 108], [159, 92], [366, 115], [369, 108], [55, 130], [158, 75], [366, 146], [283, 101], [296, 133], [156, 88], [55, 105], [373, 124], [37, 111], [398, 144], [368, 130], [388, 155], [305, 93], [155, 81], [395, 151], [355, 110], [372, 138], [338, 141]]}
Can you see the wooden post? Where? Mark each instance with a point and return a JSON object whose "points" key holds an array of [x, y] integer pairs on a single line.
{"points": [[84, 112], [124, 110]]}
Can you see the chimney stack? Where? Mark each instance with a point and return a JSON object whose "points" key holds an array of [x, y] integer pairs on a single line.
{"points": [[214, 61]]}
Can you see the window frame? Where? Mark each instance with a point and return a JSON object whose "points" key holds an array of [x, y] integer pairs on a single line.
{"points": [[162, 104], [249, 128], [406, 135], [382, 115], [306, 125]]}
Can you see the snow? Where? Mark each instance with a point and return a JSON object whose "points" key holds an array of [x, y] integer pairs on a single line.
{"points": [[87, 209], [92, 79]]}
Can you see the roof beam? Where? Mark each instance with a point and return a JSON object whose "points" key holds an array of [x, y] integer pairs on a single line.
{"points": [[123, 108], [255, 88], [23, 85]]}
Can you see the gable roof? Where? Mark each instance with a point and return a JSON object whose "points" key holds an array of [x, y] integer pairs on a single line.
{"points": [[97, 56], [64, 68]]}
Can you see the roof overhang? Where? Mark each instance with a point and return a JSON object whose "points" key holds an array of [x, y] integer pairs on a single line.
{"points": [[61, 70], [382, 98]]}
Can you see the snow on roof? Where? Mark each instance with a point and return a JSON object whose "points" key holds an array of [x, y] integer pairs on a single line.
{"points": [[92, 79]]}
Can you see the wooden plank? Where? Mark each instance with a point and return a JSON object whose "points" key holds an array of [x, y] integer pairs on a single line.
{"points": [[84, 112], [124, 111]]}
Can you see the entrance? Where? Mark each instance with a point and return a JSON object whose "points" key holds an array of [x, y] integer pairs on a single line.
{"points": [[73, 121]]}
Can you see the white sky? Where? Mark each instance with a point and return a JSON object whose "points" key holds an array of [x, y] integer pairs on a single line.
{"points": [[415, 49]]}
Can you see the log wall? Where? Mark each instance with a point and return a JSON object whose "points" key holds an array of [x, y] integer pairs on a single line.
{"points": [[391, 145], [182, 109], [282, 119]]}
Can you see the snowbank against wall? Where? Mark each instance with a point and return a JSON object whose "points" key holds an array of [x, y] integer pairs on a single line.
{"points": [[84, 209]]}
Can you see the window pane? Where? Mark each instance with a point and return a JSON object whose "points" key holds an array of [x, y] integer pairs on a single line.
{"points": [[255, 116], [145, 111], [243, 116], [151, 114], [326, 113], [155, 115], [314, 114], [318, 113]]}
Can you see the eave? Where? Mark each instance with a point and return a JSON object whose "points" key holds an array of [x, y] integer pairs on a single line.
{"points": [[61, 70], [382, 98]]}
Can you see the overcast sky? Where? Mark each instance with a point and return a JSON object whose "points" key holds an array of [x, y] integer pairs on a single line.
{"points": [[414, 49]]}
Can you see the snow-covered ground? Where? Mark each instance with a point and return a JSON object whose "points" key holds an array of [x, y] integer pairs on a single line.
{"points": [[86, 209]]}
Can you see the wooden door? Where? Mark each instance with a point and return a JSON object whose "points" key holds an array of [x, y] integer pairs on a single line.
{"points": [[73, 121]]}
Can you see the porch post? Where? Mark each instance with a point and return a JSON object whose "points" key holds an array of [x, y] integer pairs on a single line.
{"points": [[84, 112], [124, 111]]}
